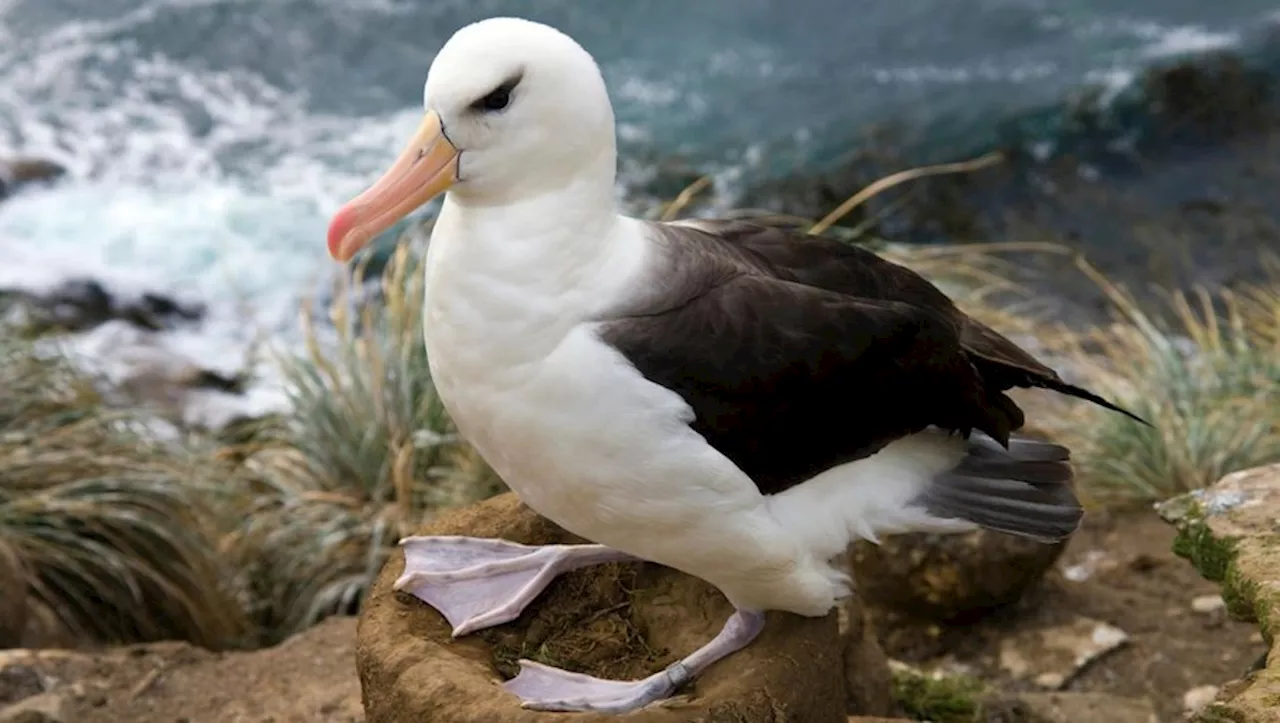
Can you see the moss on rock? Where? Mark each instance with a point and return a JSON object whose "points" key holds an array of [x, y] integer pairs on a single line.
{"points": [[1210, 555], [1231, 534], [940, 699]]}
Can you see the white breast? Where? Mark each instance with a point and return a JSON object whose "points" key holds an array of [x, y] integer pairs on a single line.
{"points": [[567, 422]]}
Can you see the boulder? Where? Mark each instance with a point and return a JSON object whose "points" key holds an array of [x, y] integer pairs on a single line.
{"points": [[950, 578], [18, 683], [618, 621], [1231, 533], [18, 172], [78, 304]]}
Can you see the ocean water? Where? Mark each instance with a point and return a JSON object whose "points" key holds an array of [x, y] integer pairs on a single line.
{"points": [[208, 141]]}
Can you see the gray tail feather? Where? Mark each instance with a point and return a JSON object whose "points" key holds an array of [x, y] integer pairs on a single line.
{"points": [[1024, 490]]}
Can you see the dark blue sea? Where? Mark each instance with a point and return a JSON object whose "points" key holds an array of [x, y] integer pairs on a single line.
{"points": [[209, 140]]}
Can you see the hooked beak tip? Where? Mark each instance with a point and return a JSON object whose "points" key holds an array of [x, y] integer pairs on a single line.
{"points": [[340, 230], [425, 168]]}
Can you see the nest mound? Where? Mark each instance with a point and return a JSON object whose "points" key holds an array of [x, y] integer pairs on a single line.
{"points": [[617, 621]]}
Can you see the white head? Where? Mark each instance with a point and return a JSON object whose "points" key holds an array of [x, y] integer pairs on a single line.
{"points": [[515, 109]]}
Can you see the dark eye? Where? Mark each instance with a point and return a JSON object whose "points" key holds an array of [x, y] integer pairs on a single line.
{"points": [[497, 99]]}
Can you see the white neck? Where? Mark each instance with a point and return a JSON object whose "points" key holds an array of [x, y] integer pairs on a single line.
{"points": [[540, 206], [523, 269]]}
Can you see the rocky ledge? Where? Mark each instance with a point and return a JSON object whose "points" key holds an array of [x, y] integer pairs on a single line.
{"points": [[1231, 533], [307, 679]]}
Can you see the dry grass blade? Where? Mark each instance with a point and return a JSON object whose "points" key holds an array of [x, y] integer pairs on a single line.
{"points": [[115, 534], [900, 177], [685, 198]]}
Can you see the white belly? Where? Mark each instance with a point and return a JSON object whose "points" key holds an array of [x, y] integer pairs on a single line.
{"points": [[586, 441]]}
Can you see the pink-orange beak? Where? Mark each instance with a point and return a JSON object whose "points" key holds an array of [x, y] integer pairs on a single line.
{"points": [[426, 168]]}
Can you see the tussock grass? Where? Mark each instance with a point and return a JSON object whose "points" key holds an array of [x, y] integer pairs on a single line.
{"points": [[113, 533], [128, 539], [1203, 368], [368, 452], [1205, 372]]}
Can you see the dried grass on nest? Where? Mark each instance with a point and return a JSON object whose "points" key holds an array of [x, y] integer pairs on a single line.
{"points": [[115, 534], [585, 622]]}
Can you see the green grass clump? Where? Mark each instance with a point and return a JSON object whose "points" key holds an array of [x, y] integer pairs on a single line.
{"points": [[113, 533], [1207, 376], [945, 699], [368, 451]]}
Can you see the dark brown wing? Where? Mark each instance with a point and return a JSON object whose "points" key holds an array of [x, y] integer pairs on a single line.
{"points": [[788, 380], [797, 355], [856, 271]]}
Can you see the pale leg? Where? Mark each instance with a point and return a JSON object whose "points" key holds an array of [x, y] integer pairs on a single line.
{"points": [[543, 687], [479, 582]]}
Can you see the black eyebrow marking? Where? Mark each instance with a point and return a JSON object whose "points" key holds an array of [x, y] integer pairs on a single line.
{"points": [[507, 86]]}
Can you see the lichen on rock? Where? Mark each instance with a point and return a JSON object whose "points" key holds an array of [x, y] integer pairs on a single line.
{"points": [[1231, 534]]}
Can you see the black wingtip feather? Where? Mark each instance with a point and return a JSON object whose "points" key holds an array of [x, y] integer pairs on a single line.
{"points": [[1024, 489], [1026, 449], [1074, 391]]}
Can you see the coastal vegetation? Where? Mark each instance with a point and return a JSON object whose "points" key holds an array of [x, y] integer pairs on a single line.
{"points": [[246, 541], [244, 538]]}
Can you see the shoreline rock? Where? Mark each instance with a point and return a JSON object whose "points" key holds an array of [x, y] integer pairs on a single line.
{"points": [[17, 173], [80, 303], [126, 339]]}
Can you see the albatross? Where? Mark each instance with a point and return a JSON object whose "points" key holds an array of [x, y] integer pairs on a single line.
{"points": [[731, 399]]}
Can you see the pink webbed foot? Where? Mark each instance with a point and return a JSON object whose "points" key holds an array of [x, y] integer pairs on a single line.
{"points": [[542, 687], [479, 582]]}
